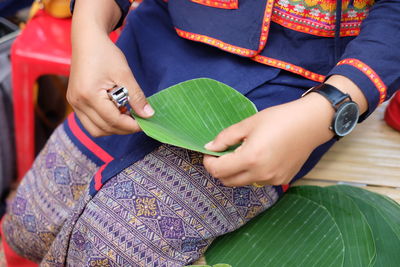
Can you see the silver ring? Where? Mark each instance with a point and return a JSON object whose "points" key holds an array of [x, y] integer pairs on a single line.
{"points": [[119, 95]]}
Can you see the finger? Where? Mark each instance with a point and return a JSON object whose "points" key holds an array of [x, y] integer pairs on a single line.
{"points": [[228, 137], [92, 128], [105, 114], [137, 99], [225, 166], [112, 128]]}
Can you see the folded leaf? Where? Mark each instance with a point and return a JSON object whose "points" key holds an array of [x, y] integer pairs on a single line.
{"points": [[192, 113]]}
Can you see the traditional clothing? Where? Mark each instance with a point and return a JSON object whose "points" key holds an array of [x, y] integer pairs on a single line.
{"points": [[130, 201]]}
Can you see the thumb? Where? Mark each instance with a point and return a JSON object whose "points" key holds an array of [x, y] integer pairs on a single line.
{"points": [[137, 99], [230, 136]]}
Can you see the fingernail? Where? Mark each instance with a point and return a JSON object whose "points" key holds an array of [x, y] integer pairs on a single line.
{"points": [[208, 145], [148, 110]]}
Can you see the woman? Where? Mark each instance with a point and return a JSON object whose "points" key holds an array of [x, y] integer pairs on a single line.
{"points": [[100, 193]]}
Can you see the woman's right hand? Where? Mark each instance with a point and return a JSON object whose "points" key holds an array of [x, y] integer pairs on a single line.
{"points": [[97, 66]]}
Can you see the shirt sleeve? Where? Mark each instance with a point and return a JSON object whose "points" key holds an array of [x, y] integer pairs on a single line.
{"points": [[372, 59], [124, 5]]}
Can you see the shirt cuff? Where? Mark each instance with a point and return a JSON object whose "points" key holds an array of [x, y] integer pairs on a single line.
{"points": [[366, 79]]}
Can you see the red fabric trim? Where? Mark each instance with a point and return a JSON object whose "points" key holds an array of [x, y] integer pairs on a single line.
{"points": [[93, 147], [370, 73], [251, 54], [12, 258], [226, 4], [87, 142], [289, 67], [217, 43], [285, 187], [265, 25], [98, 177]]}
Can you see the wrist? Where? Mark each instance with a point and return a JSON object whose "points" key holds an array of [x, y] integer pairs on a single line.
{"points": [[320, 112], [346, 110], [347, 86]]}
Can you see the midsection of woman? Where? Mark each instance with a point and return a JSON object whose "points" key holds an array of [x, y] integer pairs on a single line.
{"points": [[127, 200]]}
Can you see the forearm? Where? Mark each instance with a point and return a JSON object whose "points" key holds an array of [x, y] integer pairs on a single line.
{"points": [[94, 17], [321, 111]]}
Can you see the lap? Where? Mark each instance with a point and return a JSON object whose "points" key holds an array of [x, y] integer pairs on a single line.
{"points": [[164, 207]]}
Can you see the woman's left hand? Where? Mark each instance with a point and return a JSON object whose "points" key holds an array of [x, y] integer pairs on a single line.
{"points": [[275, 143]]}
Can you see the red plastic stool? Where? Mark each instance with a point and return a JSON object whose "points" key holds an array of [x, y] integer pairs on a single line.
{"points": [[392, 112], [43, 47]]}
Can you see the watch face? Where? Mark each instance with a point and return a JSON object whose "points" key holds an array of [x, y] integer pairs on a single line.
{"points": [[346, 118]]}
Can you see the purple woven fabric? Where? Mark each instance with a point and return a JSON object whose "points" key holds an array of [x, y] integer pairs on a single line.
{"points": [[163, 210]]}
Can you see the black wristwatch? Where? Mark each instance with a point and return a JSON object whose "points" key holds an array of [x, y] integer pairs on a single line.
{"points": [[346, 110]]}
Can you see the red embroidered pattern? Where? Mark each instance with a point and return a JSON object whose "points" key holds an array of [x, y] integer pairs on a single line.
{"points": [[227, 4], [318, 17], [265, 25], [215, 42], [370, 73], [289, 67], [347, 29]]}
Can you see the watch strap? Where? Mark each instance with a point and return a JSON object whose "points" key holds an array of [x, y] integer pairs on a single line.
{"points": [[331, 93]]}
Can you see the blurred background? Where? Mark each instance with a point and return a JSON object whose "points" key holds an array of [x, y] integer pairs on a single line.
{"points": [[34, 44]]}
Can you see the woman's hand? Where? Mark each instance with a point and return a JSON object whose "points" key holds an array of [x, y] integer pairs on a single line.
{"points": [[98, 65], [276, 143]]}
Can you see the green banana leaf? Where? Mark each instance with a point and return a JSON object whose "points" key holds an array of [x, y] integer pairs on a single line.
{"points": [[215, 265], [357, 235], [386, 241], [192, 113], [389, 209], [294, 232]]}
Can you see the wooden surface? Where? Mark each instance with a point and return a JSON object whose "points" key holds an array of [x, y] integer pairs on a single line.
{"points": [[368, 157]]}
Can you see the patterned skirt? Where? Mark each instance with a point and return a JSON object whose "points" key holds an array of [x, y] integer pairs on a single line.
{"points": [[163, 210]]}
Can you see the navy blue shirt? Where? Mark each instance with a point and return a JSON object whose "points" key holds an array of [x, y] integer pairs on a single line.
{"points": [[256, 53]]}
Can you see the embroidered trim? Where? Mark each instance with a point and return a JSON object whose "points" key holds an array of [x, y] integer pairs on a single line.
{"points": [[370, 73], [289, 67], [265, 25], [307, 26], [251, 54], [318, 17], [227, 4], [217, 43]]}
